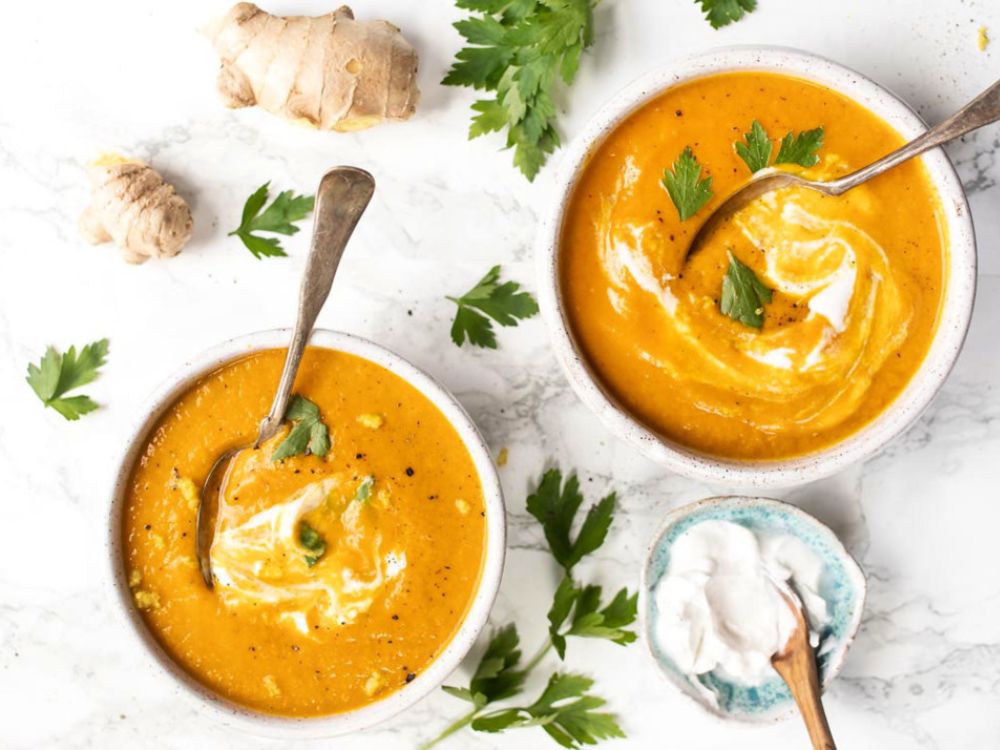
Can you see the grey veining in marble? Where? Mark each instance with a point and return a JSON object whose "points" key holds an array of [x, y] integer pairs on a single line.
{"points": [[79, 78]]}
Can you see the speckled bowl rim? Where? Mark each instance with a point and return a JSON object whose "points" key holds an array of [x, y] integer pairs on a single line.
{"points": [[242, 718], [851, 567], [955, 314]]}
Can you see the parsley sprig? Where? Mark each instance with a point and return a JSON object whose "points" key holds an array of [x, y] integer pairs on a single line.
{"points": [[489, 299], [795, 148], [743, 294], [519, 49], [277, 218], [57, 374], [800, 148], [497, 676], [686, 187], [565, 710], [580, 607], [555, 510], [720, 13], [756, 147], [308, 432]]}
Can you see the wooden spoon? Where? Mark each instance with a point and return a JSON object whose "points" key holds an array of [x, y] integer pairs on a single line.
{"points": [[343, 195], [796, 663]]}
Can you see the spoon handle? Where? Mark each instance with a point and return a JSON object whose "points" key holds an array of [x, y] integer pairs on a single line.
{"points": [[798, 669], [343, 195], [982, 110]]}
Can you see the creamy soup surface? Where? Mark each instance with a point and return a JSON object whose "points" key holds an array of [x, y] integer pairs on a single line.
{"points": [[857, 280], [338, 578]]}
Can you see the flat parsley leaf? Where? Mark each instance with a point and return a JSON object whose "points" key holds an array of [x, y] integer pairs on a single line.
{"points": [[722, 12], [743, 294], [364, 490], [556, 509], [519, 49], [501, 302], [311, 540], [276, 218], [57, 374], [800, 149], [590, 619], [564, 710], [308, 432], [685, 185], [497, 676], [795, 149], [756, 150]]}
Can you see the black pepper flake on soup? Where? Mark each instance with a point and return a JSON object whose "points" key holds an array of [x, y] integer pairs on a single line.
{"points": [[410, 677], [409, 471]]}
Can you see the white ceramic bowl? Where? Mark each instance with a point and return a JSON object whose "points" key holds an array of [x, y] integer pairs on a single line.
{"points": [[843, 586], [960, 271], [430, 679]]}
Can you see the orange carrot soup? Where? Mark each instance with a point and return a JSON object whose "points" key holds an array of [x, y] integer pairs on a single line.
{"points": [[347, 550], [802, 318]]}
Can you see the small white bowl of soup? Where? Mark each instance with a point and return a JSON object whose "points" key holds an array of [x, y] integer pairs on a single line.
{"points": [[347, 585], [871, 292]]}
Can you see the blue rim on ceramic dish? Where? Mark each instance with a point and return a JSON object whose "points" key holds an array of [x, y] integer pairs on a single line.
{"points": [[842, 586]]}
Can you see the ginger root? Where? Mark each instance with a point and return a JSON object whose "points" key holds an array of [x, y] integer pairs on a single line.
{"points": [[329, 72], [134, 206]]}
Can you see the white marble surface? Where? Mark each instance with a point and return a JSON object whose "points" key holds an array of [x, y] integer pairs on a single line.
{"points": [[81, 77]]}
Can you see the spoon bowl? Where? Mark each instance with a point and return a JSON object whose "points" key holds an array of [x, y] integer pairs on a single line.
{"points": [[208, 510], [343, 195], [762, 183]]}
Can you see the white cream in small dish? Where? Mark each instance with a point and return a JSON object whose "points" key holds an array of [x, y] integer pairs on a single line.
{"points": [[698, 601]]}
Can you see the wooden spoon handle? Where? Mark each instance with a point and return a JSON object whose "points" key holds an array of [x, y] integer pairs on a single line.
{"points": [[798, 668]]}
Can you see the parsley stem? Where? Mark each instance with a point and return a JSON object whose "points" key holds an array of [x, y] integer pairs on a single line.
{"points": [[461, 723], [546, 647]]}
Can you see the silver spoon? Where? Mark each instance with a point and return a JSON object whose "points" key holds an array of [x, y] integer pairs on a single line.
{"points": [[343, 195], [982, 110]]}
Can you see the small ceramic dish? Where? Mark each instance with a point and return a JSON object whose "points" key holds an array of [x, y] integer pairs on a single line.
{"points": [[843, 587], [430, 679], [956, 308]]}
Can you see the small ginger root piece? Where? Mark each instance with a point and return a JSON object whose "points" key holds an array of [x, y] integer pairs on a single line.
{"points": [[133, 205], [329, 72]]}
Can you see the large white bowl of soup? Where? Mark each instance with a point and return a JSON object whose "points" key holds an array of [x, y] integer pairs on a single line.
{"points": [[808, 331], [354, 563]]}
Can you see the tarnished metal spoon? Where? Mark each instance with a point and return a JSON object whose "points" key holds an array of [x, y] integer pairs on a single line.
{"points": [[343, 195], [982, 110]]}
